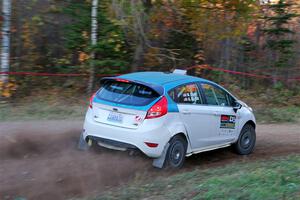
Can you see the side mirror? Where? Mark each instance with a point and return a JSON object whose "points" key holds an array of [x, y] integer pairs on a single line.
{"points": [[237, 106]]}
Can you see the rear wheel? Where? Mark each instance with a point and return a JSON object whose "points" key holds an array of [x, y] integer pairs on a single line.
{"points": [[176, 152], [246, 142]]}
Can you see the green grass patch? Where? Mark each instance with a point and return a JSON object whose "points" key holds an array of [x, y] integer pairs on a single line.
{"points": [[41, 111], [274, 179], [51, 107], [273, 115]]}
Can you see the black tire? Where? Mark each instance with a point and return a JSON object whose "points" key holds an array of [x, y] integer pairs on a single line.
{"points": [[246, 142], [176, 152]]}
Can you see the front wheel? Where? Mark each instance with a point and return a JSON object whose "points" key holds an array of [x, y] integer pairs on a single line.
{"points": [[176, 152], [246, 142]]}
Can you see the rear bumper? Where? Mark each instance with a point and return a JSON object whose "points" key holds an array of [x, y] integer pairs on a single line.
{"points": [[113, 143], [151, 131]]}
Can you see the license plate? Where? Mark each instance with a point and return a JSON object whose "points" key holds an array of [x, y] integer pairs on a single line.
{"points": [[115, 117]]}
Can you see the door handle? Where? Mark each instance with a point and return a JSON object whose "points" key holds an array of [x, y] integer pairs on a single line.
{"points": [[186, 112]]}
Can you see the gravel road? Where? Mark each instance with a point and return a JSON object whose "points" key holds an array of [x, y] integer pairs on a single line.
{"points": [[39, 159]]}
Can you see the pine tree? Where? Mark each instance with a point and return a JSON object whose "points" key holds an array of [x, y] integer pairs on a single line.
{"points": [[279, 34], [109, 50]]}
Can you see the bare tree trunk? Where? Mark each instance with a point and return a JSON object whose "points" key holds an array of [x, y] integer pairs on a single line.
{"points": [[93, 43], [227, 49], [140, 12], [6, 10], [138, 57]]}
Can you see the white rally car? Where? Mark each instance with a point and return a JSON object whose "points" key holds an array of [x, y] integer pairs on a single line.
{"points": [[167, 116]]}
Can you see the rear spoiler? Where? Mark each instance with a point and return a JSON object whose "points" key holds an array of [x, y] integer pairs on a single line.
{"points": [[157, 88]]}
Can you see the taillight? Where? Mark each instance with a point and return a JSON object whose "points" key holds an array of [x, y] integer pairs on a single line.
{"points": [[91, 100], [159, 109], [122, 80]]}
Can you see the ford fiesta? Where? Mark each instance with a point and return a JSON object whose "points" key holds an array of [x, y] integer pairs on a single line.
{"points": [[167, 116]]}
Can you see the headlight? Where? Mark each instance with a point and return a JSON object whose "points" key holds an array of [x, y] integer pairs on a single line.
{"points": [[250, 109]]}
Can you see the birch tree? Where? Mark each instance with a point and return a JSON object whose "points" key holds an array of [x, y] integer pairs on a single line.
{"points": [[94, 29], [5, 32]]}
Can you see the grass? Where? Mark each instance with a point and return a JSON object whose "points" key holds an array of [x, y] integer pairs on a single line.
{"points": [[70, 106], [41, 111], [274, 179], [275, 115], [45, 110]]}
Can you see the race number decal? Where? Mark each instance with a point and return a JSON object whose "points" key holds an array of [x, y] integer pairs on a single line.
{"points": [[228, 121]]}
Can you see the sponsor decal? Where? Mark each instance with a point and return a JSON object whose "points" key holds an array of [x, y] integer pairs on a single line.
{"points": [[228, 121], [138, 118]]}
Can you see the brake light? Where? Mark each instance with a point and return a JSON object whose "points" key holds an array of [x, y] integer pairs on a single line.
{"points": [[122, 80], [159, 109], [91, 100]]}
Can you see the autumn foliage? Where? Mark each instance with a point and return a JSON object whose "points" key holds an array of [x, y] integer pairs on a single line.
{"points": [[134, 35]]}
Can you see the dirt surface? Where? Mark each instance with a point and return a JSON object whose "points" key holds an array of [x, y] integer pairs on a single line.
{"points": [[39, 160]]}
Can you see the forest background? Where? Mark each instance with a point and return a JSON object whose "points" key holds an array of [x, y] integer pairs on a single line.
{"points": [[250, 47]]}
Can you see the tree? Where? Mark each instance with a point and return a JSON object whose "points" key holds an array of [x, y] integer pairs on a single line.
{"points": [[279, 33], [5, 51], [219, 26], [133, 16], [94, 29], [96, 50]]}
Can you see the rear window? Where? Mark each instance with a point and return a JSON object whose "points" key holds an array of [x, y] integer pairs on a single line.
{"points": [[127, 93]]}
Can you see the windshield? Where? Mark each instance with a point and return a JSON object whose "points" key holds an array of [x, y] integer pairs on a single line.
{"points": [[127, 93]]}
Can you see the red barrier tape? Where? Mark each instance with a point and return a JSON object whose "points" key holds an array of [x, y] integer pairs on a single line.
{"points": [[52, 74], [198, 66], [272, 69], [242, 73]]}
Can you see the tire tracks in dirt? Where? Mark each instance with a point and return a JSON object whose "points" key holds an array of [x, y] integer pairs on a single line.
{"points": [[39, 159]]}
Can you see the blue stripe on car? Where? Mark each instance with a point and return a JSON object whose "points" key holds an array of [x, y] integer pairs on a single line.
{"points": [[172, 106]]}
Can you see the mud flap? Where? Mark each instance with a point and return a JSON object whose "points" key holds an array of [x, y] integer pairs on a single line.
{"points": [[82, 144], [159, 162]]}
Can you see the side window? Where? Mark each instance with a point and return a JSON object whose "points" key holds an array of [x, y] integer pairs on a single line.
{"points": [[188, 94], [231, 100], [216, 96]]}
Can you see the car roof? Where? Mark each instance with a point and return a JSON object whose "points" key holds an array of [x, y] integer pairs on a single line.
{"points": [[161, 78]]}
